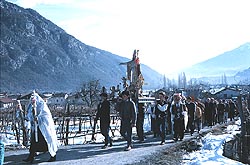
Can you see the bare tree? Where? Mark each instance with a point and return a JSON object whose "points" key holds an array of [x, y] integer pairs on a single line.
{"points": [[90, 93], [182, 80]]}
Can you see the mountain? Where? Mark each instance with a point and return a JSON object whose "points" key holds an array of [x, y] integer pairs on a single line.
{"points": [[228, 63], [37, 54], [243, 76]]}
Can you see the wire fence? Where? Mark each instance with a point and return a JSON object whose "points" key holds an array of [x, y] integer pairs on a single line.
{"points": [[77, 124]]}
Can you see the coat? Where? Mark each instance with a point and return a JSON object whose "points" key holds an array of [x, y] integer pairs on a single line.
{"points": [[45, 123]]}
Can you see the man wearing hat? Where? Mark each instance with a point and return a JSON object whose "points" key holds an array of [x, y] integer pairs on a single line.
{"points": [[103, 112], [127, 111]]}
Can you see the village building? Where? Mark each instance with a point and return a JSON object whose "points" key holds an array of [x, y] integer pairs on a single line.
{"points": [[57, 99], [75, 99], [6, 102], [226, 93]]}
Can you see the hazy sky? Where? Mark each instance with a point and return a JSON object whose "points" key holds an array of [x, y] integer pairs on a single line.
{"points": [[170, 34]]}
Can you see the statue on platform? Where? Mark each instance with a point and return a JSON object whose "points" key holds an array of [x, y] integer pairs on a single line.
{"points": [[134, 75]]}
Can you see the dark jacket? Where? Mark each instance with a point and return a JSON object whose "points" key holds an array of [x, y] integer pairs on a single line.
{"points": [[127, 111], [103, 112]]}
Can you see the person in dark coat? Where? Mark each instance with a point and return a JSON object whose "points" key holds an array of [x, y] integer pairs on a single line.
{"points": [[103, 113], [191, 111], [227, 108], [140, 122], [214, 104], [221, 110], [127, 112], [232, 109], [169, 123], [209, 112], [177, 110]]}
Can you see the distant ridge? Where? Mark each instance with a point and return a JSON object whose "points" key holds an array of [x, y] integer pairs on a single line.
{"points": [[228, 63]]}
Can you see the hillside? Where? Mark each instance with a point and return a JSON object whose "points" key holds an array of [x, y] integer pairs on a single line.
{"points": [[228, 63], [243, 76], [37, 54]]}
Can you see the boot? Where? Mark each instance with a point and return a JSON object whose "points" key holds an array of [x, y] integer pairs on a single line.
{"points": [[30, 158], [111, 142], [105, 146], [52, 159], [128, 148]]}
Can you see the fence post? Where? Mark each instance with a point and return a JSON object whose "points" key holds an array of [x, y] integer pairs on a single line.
{"points": [[80, 124], [244, 145], [67, 125]]}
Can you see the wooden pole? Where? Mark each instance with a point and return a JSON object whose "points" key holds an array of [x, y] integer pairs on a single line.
{"points": [[243, 139], [67, 125]]}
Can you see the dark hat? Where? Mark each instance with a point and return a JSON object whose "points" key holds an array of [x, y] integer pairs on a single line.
{"points": [[125, 93], [162, 93], [104, 94]]}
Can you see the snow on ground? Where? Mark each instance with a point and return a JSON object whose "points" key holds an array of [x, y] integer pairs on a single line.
{"points": [[212, 149]]}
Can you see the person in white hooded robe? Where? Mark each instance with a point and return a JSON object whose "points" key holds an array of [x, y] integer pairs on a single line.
{"points": [[43, 134]]}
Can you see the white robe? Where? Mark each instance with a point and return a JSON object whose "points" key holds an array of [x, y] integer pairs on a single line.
{"points": [[45, 123]]}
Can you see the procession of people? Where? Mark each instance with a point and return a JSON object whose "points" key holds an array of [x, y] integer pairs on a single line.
{"points": [[174, 115]]}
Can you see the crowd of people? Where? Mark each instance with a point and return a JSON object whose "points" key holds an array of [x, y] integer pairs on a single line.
{"points": [[170, 115], [187, 115]]}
